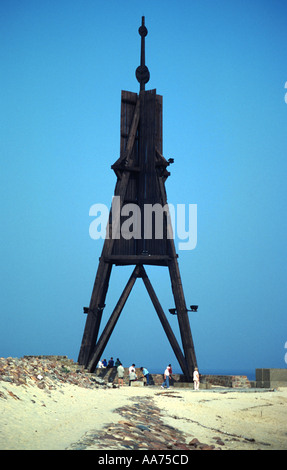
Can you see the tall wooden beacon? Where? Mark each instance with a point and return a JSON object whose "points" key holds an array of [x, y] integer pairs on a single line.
{"points": [[141, 172]]}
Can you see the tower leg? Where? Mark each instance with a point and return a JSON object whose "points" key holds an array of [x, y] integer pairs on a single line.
{"points": [[105, 336], [95, 311], [165, 324], [183, 321]]}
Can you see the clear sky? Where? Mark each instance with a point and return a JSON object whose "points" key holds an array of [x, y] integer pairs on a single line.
{"points": [[221, 68]]}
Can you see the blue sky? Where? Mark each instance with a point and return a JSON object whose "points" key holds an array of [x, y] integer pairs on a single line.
{"points": [[221, 68]]}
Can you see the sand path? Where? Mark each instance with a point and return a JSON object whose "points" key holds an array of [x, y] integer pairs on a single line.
{"points": [[31, 418]]}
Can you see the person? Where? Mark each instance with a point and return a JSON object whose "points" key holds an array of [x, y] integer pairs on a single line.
{"points": [[120, 371], [111, 362], [104, 363], [132, 375], [100, 365], [145, 373], [196, 379], [166, 379], [118, 362], [170, 372], [132, 368]]}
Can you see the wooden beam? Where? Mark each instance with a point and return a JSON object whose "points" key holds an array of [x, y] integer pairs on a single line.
{"points": [[182, 316], [131, 138], [165, 324], [158, 260], [94, 317], [105, 336]]}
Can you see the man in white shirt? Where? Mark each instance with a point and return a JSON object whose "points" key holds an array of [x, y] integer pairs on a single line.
{"points": [[120, 371], [132, 368], [166, 378]]}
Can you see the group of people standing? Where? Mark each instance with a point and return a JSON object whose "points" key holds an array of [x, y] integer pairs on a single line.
{"points": [[145, 373], [104, 364]]}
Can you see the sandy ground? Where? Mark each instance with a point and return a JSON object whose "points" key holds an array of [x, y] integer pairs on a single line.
{"points": [[248, 420], [33, 419]]}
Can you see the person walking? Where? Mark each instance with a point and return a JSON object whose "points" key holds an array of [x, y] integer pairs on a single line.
{"points": [[166, 379], [169, 368]]}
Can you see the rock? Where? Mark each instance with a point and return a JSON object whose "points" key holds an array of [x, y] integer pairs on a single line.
{"points": [[41, 385], [195, 442], [126, 423], [220, 442], [142, 427], [98, 380]]}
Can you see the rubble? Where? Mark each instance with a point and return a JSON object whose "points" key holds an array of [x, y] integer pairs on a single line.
{"points": [[141, 428], [47, 373]]}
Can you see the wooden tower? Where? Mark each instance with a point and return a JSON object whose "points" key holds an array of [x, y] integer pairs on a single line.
{"points": [[141, 173]]}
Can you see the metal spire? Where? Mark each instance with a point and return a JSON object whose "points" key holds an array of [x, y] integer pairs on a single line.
{"points": [[142, 72]]}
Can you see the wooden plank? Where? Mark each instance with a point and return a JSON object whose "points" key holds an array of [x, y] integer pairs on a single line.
{"points": [[129, 124], [147, 178], [130, 112], [158, 129], [133, 131]]}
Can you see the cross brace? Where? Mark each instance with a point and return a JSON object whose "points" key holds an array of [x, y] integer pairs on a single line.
{"points": [[139, 271]]}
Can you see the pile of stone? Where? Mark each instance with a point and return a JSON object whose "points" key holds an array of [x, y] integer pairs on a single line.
{"points": [[141, 428], [47, 372]]}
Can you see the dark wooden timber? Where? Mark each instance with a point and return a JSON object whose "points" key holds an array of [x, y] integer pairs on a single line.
{"points": [[105, 336], [165, 324], [141, 172]]}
